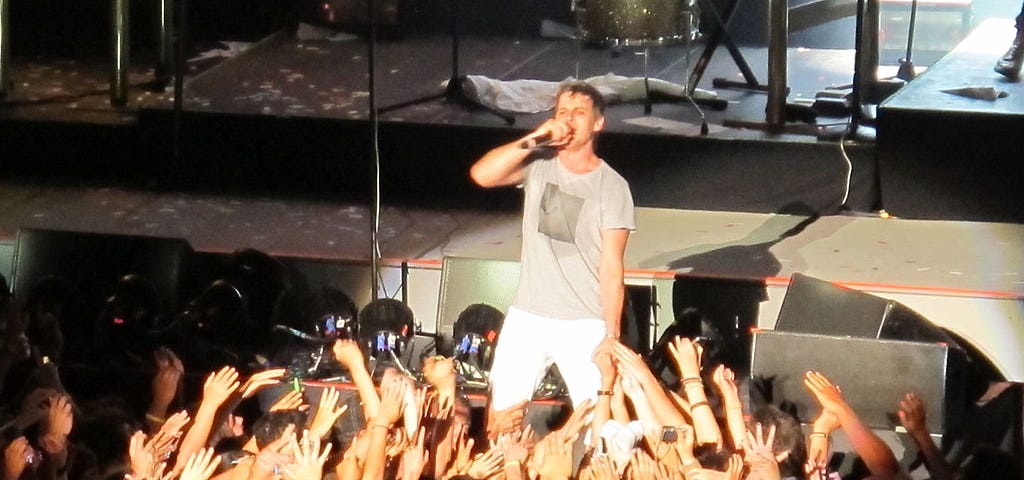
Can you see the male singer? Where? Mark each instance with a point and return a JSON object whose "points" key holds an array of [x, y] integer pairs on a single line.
{"points": [[577, 216]]}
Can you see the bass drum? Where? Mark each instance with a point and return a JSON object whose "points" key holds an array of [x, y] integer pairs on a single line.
{"points": [[637, 23]]}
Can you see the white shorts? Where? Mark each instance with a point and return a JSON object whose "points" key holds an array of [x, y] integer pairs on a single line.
{"points": [[529, 344]]}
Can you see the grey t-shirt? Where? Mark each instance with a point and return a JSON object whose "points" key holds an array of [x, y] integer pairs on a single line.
{"points": [[564, 214]]}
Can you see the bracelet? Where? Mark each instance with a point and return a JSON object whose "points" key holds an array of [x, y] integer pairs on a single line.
{"points": [[605, 392], [693, 382], [513, 462], [699, 404], [380, 425], [154, 418], [819, 434]]}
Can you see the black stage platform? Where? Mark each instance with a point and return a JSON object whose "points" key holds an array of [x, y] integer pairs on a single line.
{"points": [[945, 155]]}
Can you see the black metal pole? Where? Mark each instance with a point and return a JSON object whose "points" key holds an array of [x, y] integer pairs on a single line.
{"points": [[179, 89], [119, 45], [5, 46], [164, 41], [778, 30]]}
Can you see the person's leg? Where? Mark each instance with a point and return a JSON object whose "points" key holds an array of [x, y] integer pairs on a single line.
{"points": [[520, 359], [1011, 62], [573, 355]]}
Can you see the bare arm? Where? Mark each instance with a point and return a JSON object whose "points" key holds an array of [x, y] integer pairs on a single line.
{"points": [[503, 165], [687, 358], [912, 415], [218, 387], [348, 354], [876, 454], [610, 271]]}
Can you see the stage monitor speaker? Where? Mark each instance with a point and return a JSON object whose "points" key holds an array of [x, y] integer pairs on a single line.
{"points": [[92, 263], [816, 306], [466, 281], [873, 374]]}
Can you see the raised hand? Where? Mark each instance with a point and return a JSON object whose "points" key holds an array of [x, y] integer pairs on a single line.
{"points": [[829, 396], [759, 454], [200, 465], [570, 431], [220, 385], [260, 380], [603, 357], [169, 372], [292, 400], [174, 424], [734, 469], [392, 399], [327, 413], [462, 451], [415, 458], [515, 445], [725, 379], [141, 456], [552, 458], [309, 458], [15, 458], [486, 464], [600, 468], [913, 414], [643, 467], [348, 354], [59, 421], [686, 355], [507, 420]]}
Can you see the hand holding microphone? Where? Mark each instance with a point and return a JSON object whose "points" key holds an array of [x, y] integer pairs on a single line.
{"points": [[552, 133]]}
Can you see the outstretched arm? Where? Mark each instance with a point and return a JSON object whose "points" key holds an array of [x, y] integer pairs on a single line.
{"points": [[875, 453], [912, 416]]}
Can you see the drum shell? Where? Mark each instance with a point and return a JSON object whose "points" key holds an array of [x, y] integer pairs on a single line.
{"points": [[637, 22]]}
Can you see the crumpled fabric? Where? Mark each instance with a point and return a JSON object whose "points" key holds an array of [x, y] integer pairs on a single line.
{"points": [[534, 96]]}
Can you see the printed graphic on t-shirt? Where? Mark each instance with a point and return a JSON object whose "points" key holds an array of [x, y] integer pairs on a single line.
{"points": [[559, 213]]}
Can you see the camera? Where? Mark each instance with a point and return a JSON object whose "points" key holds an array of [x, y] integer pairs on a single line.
{"points": [[669, 434]]}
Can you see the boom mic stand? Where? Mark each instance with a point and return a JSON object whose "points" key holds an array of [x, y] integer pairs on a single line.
{"points": [[453, 92]]}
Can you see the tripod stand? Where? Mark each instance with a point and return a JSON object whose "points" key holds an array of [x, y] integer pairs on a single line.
{"points": [[453, 92]]}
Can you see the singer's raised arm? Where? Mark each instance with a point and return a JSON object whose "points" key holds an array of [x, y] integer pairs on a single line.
{"points": [[503, 165]]}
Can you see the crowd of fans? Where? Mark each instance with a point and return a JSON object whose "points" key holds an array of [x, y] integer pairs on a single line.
{"points": [[422, 425]]}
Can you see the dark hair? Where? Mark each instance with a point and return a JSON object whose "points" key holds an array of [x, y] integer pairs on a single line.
{"points": [[788, 437], [271, 425], [583, 88]]}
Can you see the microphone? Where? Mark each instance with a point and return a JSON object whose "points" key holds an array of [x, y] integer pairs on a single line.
{"points": [[536, 142], [299, 334]]}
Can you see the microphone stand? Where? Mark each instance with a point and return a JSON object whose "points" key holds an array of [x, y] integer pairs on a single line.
{"points": [[906, 71], [453, 92]]}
